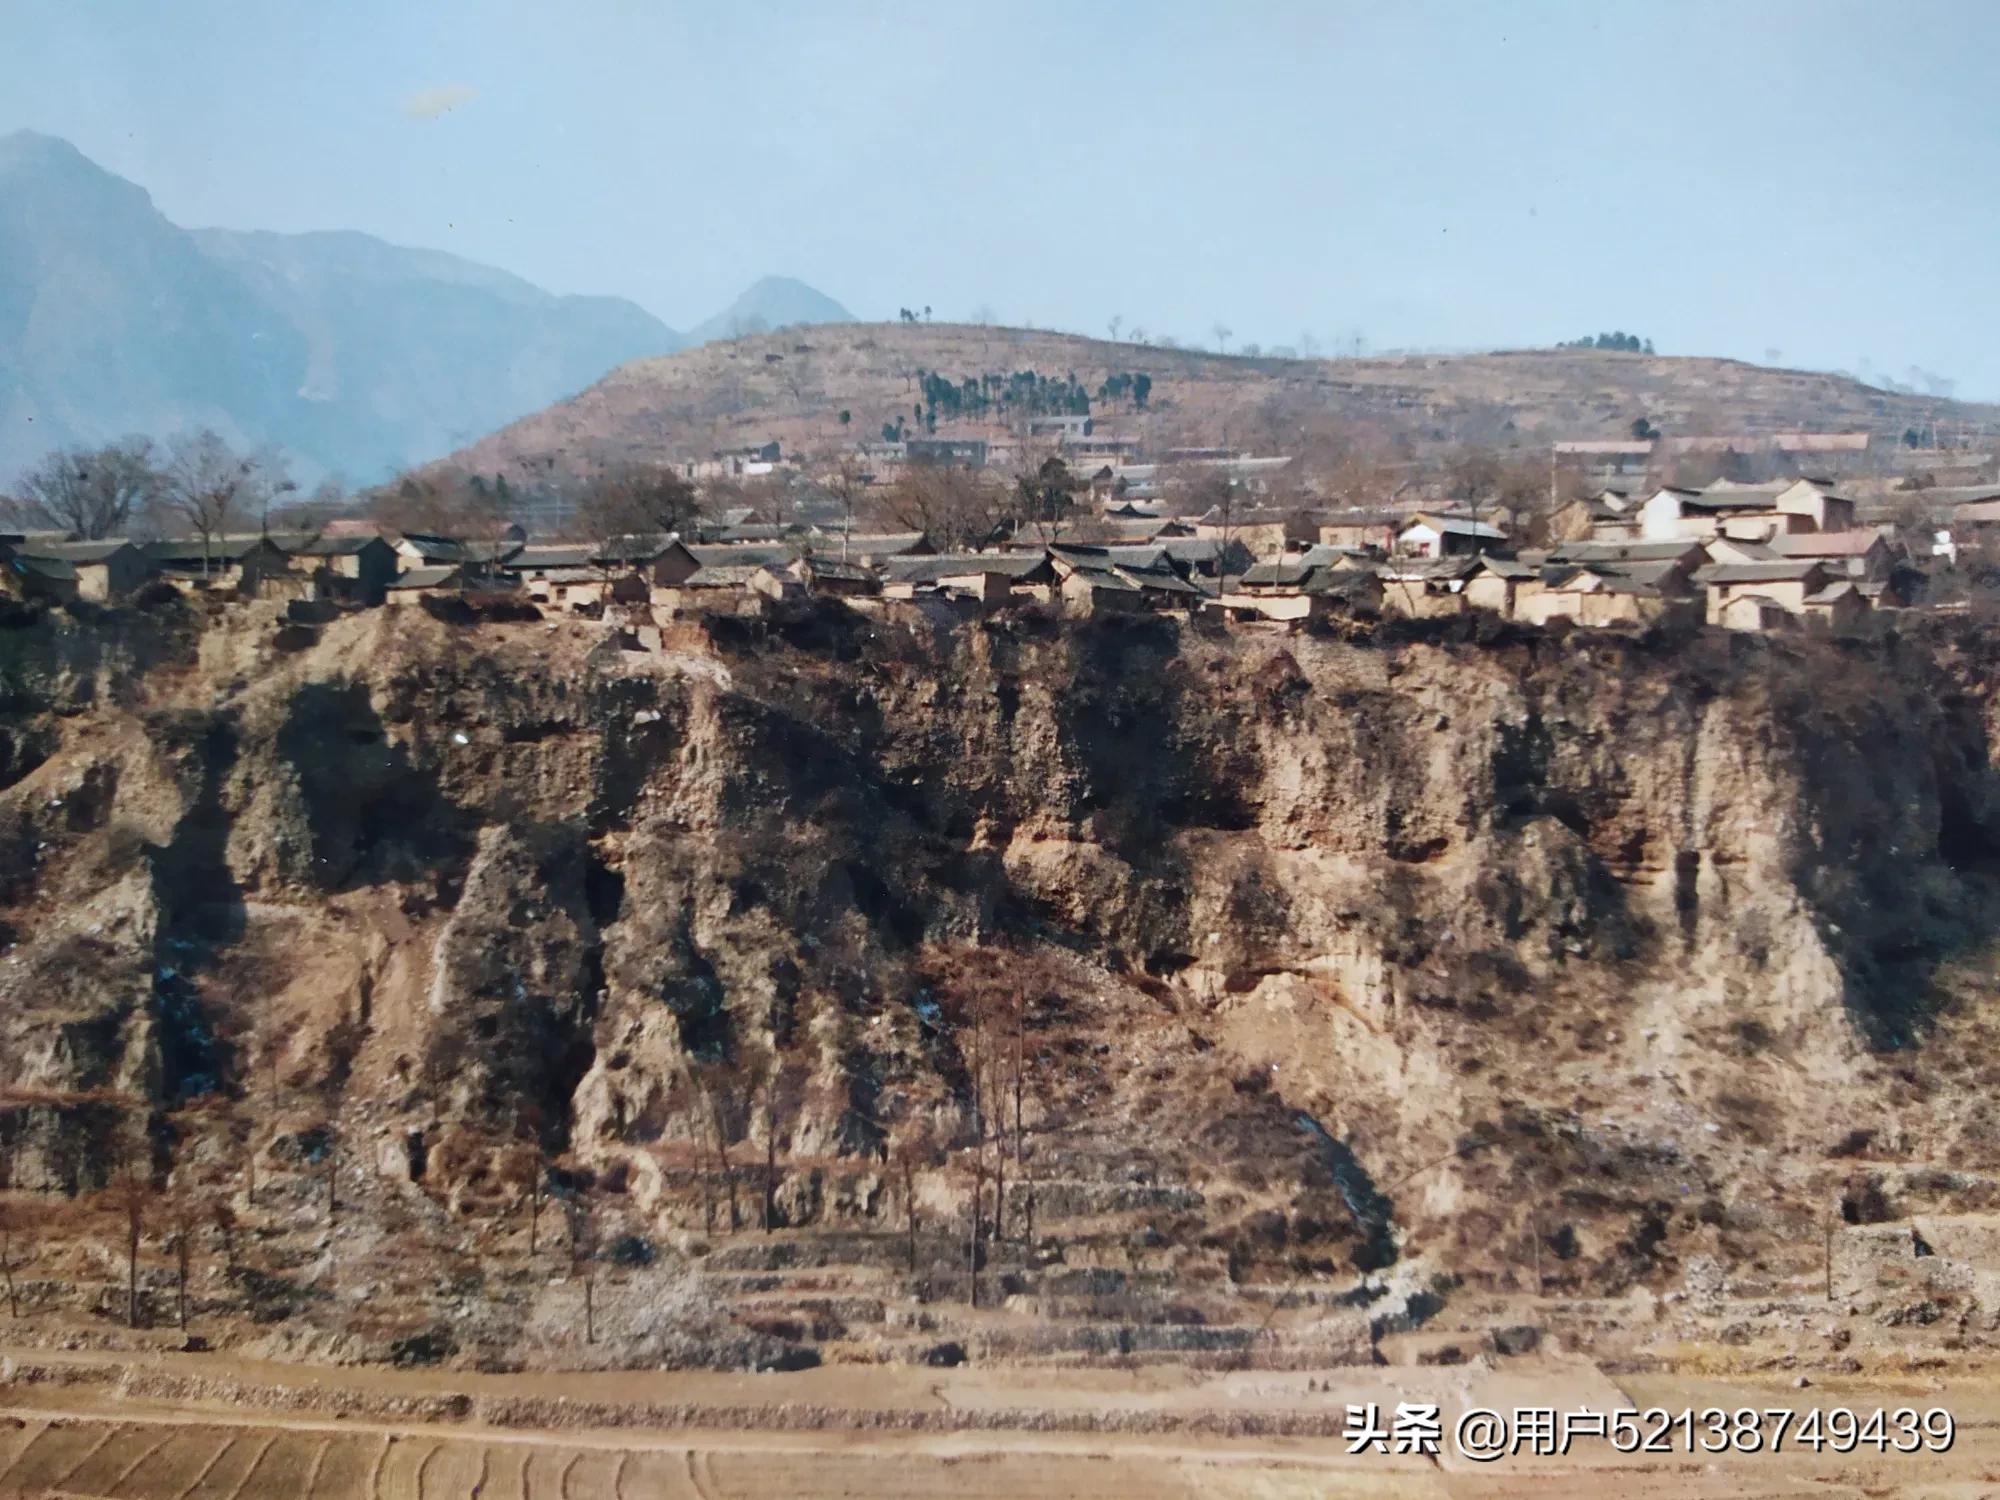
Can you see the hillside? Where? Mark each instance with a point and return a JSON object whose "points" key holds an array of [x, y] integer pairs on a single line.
{"points": [[793, 387], [1286, 995]]}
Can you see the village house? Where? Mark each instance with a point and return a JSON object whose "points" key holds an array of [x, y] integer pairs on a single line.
{"points": [[1608, 516], [1784, 583], [1110, 530], [26, 576], [476, 555], [1296, 574], [992, 578], [1750, 515], [1424, 587], [1361, 529], [1061, 425], [1262, 531], [1839, 607], [248, 566], [1683, 556], [1503, 585], [751, 531], [414, 585], [1820, 503], [752, 461], [872, 548], [1856, 554], [661, 561], [1729, 549], [954, 452], [1753, 612], [1600, 596], [1433, 534], [1117, 573], [745, 555], [104, 570], [586, 588], [829, 575], [1090, 591], [344, 565]]}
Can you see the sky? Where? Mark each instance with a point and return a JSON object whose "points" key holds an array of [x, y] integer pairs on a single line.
{"points": [[1812, 184]]}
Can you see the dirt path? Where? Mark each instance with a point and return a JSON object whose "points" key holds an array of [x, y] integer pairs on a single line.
{"points": [[86, 1439]]}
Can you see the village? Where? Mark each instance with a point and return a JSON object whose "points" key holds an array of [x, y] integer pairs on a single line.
{"points": [[1095, 529]]}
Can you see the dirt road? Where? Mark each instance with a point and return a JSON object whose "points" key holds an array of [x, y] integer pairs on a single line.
{"points": [[205, 1428]]}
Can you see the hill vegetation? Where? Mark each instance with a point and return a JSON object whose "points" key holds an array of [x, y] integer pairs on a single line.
{"points": [[818, 390]]}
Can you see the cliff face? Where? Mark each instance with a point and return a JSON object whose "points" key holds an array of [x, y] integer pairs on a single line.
{"points": [[1321, 956]]}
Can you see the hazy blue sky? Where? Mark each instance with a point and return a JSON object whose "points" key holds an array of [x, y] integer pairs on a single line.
{"points": [[1816, 179]]}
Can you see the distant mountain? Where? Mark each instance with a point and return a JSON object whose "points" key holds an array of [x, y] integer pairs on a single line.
{"points": [[774, 302], [355, 355]]}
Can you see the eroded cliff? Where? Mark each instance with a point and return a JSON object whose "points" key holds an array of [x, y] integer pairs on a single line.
{"points": [[1296, 986]]}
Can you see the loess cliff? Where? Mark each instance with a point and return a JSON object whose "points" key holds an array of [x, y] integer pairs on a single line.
{"points": [[1276, 995]]}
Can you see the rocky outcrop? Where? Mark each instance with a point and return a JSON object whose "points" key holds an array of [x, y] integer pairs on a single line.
{"points": [[1413, 948]]}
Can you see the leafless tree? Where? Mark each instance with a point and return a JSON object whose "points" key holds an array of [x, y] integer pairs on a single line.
{"points": [[717, 1084], [582, 1256], [1045, 492], [916, 1150], [1223, 333], [131, 1199], [782, 1096], [956, 507], [845, 485], [211, 486], [525, 1169], [332, 1173], [89, 493], [183, 1214], [643, 504], [14, 1226]]}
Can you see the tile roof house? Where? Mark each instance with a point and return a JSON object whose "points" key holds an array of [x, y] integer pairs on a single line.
{"points": [[1785, 583], [1858, 553], [24, 576], [245, 565], [104, 570], [1431, 534]]}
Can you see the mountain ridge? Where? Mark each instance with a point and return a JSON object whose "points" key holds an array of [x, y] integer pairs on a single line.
{"points": [[355, 355]]}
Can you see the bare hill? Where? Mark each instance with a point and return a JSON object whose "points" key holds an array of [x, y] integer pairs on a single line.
{"points": [[794, 384]]}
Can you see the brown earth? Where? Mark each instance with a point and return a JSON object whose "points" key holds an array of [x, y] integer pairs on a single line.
{"points": [[175, 1428], [793, 385], [1402, 993]]}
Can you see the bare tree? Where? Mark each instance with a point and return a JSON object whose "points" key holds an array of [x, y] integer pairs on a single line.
{"points": [[640, 504], [582, 1256], [210, 486], [845, 485], [89, 493], [131, 1195], [14, 1225], [183, 1213], [1223, 333], [783, 1088], [916, 1150], [332, 1173], [525, 1169], [1044, 493], [1114, 325], [718, 1087], [955, 507]]}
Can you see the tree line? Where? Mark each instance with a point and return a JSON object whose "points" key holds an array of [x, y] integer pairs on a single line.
{"points": [[1628, 343], [196, 484]]}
